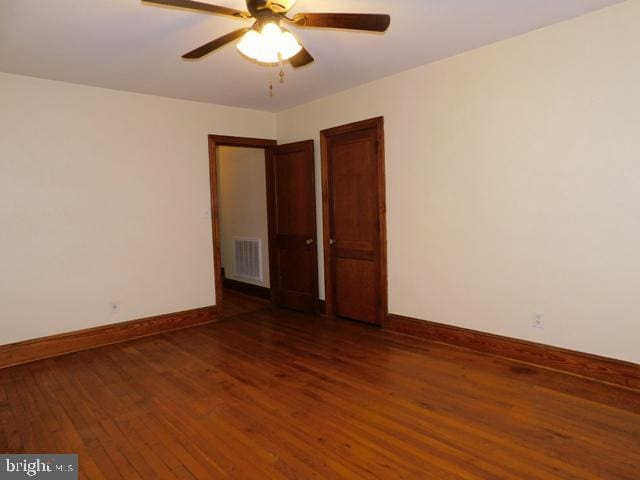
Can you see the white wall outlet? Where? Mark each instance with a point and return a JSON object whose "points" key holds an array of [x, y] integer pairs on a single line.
{"points": [[114, 307], [537, 321], [206, 213]]}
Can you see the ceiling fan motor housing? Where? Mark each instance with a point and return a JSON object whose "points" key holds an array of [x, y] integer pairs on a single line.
{"points": [[280, 5]]}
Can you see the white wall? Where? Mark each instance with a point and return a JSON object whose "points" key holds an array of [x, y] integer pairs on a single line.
{"points": [[243, 206], [513, 183], [103, 196]]}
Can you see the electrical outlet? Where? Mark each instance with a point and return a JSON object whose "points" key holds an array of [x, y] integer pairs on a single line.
{"points": [[538, 321], [114, 307]]}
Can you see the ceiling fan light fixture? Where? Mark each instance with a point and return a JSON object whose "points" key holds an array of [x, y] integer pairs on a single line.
{"points": [[250, 44], [289, 46], [270, 45], [271, 32]]}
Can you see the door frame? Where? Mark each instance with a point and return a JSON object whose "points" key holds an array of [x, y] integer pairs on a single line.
{"points": [[378, 124], [216, 141]]}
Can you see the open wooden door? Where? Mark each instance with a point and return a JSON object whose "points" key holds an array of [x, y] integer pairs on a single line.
{"points": [[293, 253]]}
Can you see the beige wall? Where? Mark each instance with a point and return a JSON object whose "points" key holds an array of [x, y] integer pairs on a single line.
{"points": [[513, 183], [103, 198], [243, 205]]}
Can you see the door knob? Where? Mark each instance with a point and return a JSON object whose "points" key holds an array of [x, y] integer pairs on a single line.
{"points": [[332, 241], [309, 241]]}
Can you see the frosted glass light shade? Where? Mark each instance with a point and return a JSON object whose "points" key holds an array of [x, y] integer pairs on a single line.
{"points": [[289, 46], [271, 45], [250, 44]]}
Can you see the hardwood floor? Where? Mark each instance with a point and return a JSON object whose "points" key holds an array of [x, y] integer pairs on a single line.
{"points": [[236, 303], [280, 395]]}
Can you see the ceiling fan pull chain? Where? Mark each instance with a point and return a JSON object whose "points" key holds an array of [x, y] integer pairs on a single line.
{"points": [[281, 74], [270, 70]]}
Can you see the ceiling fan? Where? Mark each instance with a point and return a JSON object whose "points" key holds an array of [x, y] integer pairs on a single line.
{"points": [[266, 42]]}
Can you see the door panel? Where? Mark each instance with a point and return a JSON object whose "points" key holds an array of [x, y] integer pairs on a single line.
{"points": [[292, 205], [353, 190], [355, 289], [353, 184]]}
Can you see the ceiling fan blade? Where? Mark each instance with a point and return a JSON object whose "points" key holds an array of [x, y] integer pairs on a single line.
{"points": [[352, 21], [302, 58], [216, 44], [201, 7]]}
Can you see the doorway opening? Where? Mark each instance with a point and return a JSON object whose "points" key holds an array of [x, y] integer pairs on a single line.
{"points": [[240, 226], [263, 224], [244, 233]]}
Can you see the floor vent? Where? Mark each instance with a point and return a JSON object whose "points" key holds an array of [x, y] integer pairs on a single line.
{"points": [[247, 253]]}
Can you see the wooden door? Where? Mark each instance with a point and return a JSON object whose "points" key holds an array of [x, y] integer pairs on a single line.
{"points": [[354, 220], [293, 240]]}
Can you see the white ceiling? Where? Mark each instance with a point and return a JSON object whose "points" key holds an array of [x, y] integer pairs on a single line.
{"points": [[128, 45]]}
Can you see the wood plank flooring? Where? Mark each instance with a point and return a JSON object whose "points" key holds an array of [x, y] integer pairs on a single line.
{"points": [[236, 303], [277, 395]]}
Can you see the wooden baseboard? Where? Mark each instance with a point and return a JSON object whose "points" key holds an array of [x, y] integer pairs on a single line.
{"points": [[40, 348], [247, 288], [603, 369]]}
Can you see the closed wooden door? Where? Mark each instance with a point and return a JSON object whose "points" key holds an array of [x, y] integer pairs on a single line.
{"points": [[293, 239], [354, 220]]}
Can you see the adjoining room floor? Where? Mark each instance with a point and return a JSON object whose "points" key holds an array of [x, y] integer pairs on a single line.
{"points": [[280, 395], [236, 303]]}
